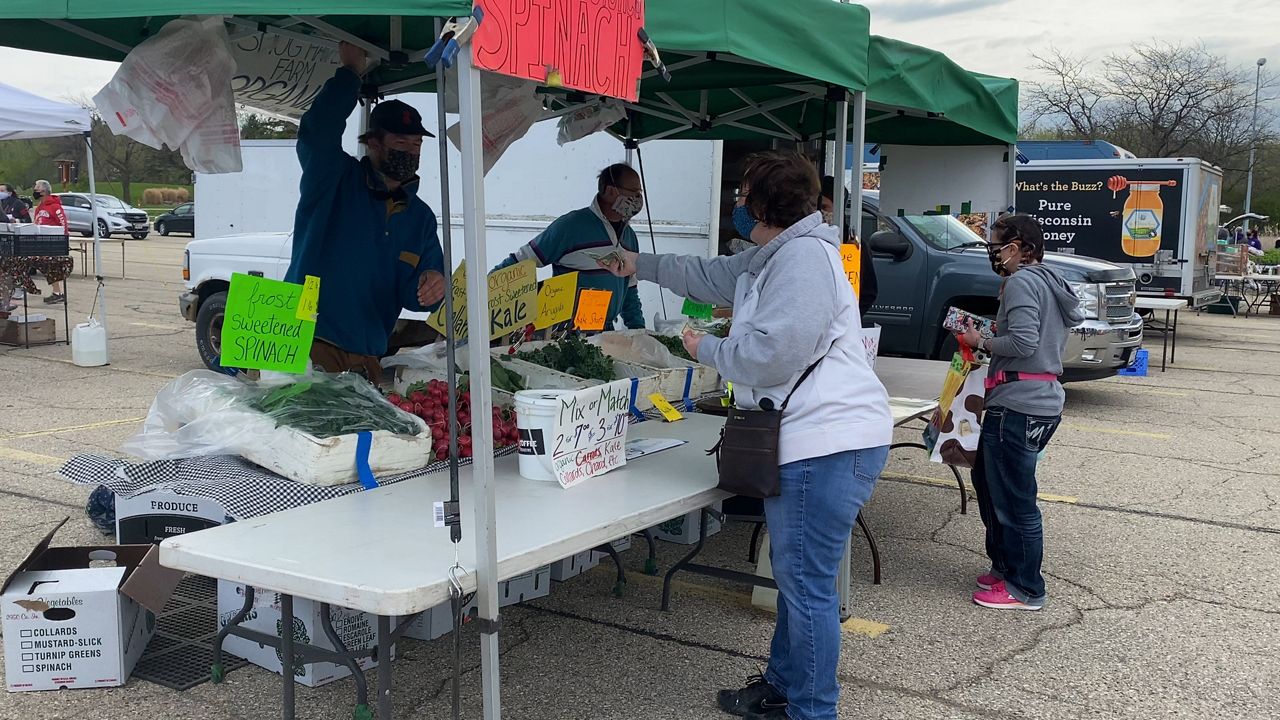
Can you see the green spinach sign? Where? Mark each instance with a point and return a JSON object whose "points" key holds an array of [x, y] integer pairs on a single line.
{"points": [[261, 329]]}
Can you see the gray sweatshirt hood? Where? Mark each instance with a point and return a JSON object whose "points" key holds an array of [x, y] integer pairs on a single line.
{"points": [[808, 226], [1068, 301]]}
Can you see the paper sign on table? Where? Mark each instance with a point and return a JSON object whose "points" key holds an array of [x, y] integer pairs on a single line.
{"points": [[555, 300], [669, 413], [309, 303], [589, 436], [513, 300], [261, 329], [564, 43], [593, 309], [697, 310], [851, 256]]}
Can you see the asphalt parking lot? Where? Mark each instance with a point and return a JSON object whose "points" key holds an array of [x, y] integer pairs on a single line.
{"points": [[1162, 525]]}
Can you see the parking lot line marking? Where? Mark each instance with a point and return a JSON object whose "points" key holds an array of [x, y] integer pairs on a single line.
{"points": [[156, 326], [1114, 431], [859, 626], [71, 428], [29, 457], [950, 484]]}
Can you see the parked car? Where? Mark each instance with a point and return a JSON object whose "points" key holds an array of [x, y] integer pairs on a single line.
{"points": [[928, 263], [180, 219], [114, 216]]}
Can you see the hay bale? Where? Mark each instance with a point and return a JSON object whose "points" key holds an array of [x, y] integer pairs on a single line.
{"points": [[183, 195], [152, 197]]}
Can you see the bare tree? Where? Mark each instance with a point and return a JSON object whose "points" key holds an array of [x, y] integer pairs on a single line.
{"points": [[1156, 100]]}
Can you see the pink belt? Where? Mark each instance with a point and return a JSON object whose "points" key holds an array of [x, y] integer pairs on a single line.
{"points": [[1002, 377]]}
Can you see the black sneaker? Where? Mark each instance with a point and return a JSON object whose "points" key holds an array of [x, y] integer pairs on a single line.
{"points": [[55, 298], [778, 713], [757, 697]]}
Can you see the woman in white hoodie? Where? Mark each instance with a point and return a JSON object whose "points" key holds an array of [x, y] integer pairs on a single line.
{"points": [[792, 307]]}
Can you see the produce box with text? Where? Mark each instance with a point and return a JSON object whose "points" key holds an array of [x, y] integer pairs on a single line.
{"points": [[80, 617]]}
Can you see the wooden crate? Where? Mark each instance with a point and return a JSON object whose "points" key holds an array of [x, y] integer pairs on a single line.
{"points": [[15, 333]]}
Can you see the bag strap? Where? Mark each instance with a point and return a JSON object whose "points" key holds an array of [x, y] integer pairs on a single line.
{"points": [[803, 376]]}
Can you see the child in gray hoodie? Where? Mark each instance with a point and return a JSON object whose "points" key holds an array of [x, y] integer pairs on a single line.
{"points": [[1023, 408]]}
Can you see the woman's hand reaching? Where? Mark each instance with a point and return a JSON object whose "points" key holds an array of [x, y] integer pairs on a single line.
{"points": [[624, 265]]}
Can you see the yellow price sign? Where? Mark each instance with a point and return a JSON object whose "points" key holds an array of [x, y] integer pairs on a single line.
{"points": [[309, 301], [555, 300], [593, 309], [513, 300], [669, 413], [851, 256]]}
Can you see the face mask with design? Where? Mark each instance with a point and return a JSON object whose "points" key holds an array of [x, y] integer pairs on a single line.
{"points": [[628, 205], [829, 217], [399, 165], [743, 221], [738, 245], [993, 254]]}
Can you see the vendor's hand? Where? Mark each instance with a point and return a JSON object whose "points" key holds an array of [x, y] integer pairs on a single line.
{"points": [[972, 338], [353, 57], [625, 266], [691, 342], [430, 288]]}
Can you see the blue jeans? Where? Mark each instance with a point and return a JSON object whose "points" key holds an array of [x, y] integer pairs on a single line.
{"points": [[1004, 479], [808, 526]]}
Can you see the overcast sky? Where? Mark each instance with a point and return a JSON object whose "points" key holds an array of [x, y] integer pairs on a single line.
{"points": [[991, 36]]}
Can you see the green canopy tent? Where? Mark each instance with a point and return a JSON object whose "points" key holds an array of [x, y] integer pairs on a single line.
{"points": [[737, 68]]}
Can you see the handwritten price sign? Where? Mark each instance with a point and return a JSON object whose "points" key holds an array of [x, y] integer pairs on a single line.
{"points": [[555, 300], [262, 329], [513, 300], [851, 256], [590, 433], [593, 309]]}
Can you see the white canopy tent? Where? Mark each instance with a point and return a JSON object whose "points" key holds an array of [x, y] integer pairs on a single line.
{"points": [[24, 116]]}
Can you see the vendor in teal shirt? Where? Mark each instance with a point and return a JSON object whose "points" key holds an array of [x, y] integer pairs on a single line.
{"points": [[574, 241], [360, 226]]}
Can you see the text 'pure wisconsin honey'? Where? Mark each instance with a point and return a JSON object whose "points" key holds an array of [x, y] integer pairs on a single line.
{"points": [[1142, 219]]}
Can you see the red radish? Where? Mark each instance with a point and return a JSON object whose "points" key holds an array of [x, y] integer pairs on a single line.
{"points": [[394, 398], [465, 451], [417, 396]]}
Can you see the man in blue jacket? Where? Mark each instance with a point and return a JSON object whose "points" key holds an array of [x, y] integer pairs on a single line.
{"points": [[361, 227], [576, 240]]}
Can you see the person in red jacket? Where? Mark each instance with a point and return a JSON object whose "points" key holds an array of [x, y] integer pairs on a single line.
{"points": [[48, 211]]}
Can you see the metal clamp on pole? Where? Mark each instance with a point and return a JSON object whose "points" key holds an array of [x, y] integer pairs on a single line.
{"points": [[456, 33], [651, 52]]}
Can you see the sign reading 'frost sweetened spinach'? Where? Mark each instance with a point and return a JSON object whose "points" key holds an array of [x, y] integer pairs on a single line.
{"points": [[262, 330]]}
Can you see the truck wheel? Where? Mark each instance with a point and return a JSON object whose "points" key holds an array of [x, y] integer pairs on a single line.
{"points": [[209, 332], [140, 236]]}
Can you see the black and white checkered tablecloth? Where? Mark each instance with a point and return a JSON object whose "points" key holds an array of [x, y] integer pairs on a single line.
{"points": [[244, 489]]}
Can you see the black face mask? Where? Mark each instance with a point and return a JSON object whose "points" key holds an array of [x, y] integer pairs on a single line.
{"points": [[400, 165], [36, 195], [993, 254]]}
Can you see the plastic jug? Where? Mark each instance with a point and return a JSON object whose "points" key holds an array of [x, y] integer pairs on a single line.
{"points": [[89, 344]]}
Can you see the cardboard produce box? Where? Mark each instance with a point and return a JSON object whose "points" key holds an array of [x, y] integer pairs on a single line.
{"points": [[438, 621], [684, 529], [72, 621], [357, 631], [17, 333], [159, 514]]}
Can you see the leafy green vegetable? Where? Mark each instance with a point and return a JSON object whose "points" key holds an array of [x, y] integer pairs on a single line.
{"points": [[332, 406], [674, 344], [575, 356], [503, 378]]}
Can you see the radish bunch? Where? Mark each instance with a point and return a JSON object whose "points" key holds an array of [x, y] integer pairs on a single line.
{"points": [[430, 401]]}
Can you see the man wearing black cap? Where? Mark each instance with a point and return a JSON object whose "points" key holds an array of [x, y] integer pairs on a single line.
{"points": [[361, 227]]}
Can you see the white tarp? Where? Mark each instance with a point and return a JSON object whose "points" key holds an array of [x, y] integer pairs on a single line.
{"points": [[24, 116], [920, 179]]}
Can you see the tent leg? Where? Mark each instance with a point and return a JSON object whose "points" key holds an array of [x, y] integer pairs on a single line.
{"points": [[101, 302], [483, 504], [858, 119], [838, 199]]}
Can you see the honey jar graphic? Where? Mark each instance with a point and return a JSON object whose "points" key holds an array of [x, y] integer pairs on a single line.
{"points": [[1142, 219]]}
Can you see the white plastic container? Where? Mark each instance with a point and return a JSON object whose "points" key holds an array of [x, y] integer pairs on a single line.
{"points": [[89, 344], [535, 420]]}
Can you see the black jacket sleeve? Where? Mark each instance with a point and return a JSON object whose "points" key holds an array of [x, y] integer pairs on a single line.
{"points": [[869, 286]]}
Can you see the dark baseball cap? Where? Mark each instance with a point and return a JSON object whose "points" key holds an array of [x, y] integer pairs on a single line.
{"points": [[396, 117]]}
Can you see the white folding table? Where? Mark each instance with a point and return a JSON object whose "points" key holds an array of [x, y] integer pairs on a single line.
{"points": [[1167, 330]]}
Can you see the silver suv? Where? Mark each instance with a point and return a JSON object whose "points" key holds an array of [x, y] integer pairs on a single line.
{"points": [[114, 216]]}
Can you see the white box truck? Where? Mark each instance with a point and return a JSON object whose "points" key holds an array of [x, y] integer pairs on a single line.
{"points": [[1157, 216]]}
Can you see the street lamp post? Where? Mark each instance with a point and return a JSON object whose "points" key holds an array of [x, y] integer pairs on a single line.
{"points": [[1253, 142]]}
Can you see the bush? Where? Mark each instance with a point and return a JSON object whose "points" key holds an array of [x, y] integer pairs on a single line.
{"points": [[151, 197], [1270, 257]]}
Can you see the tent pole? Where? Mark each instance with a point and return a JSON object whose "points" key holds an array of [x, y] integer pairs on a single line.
{"points": [[482, 489], [97, 241], [858, 119], [837, 167]]}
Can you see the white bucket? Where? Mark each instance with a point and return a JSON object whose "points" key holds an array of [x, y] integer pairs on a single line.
{"points": [[89, 344], [535, 420]]}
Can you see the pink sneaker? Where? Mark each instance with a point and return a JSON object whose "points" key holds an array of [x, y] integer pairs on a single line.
{"points": [[1000, 599], [988, 581]]}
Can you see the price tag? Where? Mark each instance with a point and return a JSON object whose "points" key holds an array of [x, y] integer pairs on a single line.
{"points": [[555, 300], [669, 413], [309, 302], [261, 329], [851, 256], [696, 310], [589, 436], [437, 512], [513, 297], [593, 309]]}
